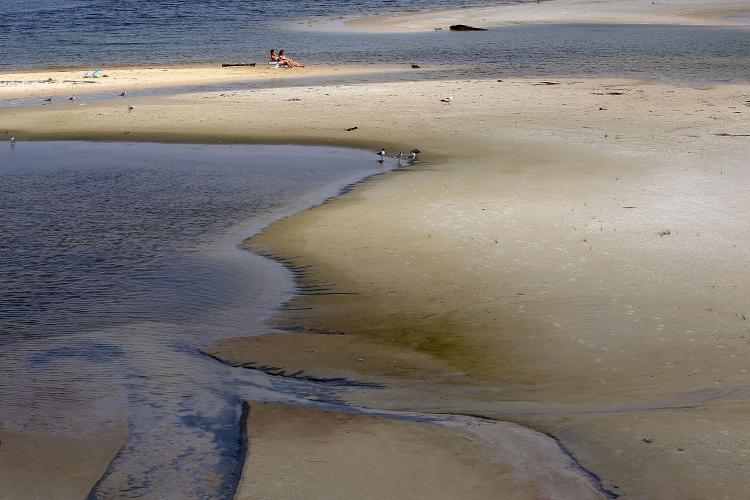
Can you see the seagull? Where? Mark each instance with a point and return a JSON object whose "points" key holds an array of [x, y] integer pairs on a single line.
{"points": [[412, 155], [448, 99], [123, 93], [13, 141], [72, 98], [381, 154]]}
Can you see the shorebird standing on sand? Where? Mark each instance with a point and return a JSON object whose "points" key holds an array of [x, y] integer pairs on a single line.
{"points": [[448, 99], [130, 109], [13, 140], [72, 98], [381, 154], [123, 93]]}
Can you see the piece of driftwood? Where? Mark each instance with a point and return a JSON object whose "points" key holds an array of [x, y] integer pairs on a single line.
{"points": [[463, 27], [231, 65], [727, 134]]}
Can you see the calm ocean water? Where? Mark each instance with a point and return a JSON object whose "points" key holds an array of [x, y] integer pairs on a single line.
{"points": [[88, 34], [117, 262]]}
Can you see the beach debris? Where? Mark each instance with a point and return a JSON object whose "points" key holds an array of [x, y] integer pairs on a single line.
{"points": [[464, 27], [123, 93], [741, 316], [448, 99], [231, 65], [665, 232], [72, 98], [293, 99], [130, 109], [602, 109], [49, 99], [437, 29], [647, 440], [415, 66], [381, 154], [727, 134], [546, 83], [351, 128]]}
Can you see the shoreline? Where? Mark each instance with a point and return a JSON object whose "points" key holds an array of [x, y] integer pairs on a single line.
{"points": [[27, 84], [415, 272], [687, 13]]}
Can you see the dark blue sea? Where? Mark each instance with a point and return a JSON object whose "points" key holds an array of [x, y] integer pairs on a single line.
{"points": [[88, 34]]}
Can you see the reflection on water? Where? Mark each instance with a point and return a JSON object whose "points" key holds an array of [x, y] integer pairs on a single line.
{"points": [[117, 262]]}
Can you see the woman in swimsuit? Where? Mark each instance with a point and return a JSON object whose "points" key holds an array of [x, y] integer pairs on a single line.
{"points": [[285, 61]]}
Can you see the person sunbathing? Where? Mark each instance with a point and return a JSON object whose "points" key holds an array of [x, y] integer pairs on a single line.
{"points": [[272, 57], [288, 62]]}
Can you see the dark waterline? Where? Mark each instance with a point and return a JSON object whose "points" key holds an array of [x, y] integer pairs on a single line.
{"points": [[117, 263]]}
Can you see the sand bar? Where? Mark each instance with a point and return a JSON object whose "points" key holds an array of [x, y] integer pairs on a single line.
{"points": [[570, 255], [68, 82], [298, 452], [674, 12]]}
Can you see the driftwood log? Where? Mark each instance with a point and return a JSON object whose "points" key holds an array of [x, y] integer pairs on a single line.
{"points": [[463, 27], [231, 65]]}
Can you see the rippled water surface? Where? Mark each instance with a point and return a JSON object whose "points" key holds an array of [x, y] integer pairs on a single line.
{"points": [[117, 262], [88, 34]]}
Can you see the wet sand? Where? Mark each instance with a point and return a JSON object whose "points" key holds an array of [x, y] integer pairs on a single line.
{"points": [[298, 452], [569, 255], [56, 466], [683, 12]]}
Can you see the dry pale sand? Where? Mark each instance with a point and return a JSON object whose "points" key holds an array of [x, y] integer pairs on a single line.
{"points": [[71, 82], [571, 256], [304, 453], [675, 12]]}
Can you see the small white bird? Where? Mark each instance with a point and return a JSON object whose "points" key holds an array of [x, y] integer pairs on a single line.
{"points": [[381, 154], [412, 156], [123, 93], [72, 98], [13, 141], [448, 99]]}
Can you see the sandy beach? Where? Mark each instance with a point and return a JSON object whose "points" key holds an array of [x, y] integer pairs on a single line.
{"points": [[668, 12], [64, 83], [568, 254]]}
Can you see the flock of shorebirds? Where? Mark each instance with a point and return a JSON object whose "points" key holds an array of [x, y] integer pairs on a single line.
{"points": [[411, 157]]}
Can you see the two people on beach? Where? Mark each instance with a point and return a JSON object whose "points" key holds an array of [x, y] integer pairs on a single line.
{"points": [[282, 60]]}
